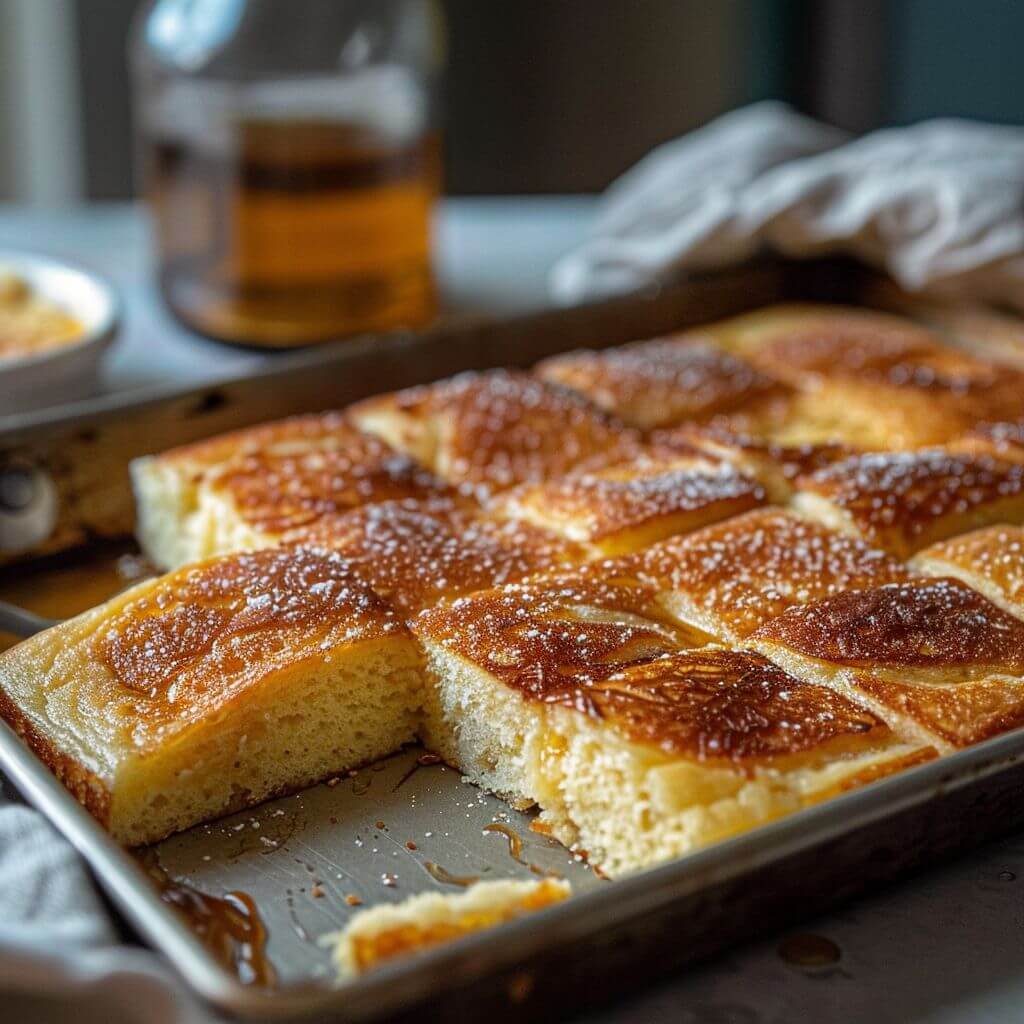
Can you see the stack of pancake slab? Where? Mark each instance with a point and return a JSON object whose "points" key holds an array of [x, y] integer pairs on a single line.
{"points": [[664, 592]]}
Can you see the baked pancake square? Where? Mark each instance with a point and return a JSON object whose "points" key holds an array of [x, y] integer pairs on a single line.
{"points": [[905, 501], [891, 378], [934, 658], [546, 641], [989, 560], [216, 687], [414, 555], [628, 506], [730, 578], [637, 757], [775, 466], [490, 431], [255, 488], [665, 381]]}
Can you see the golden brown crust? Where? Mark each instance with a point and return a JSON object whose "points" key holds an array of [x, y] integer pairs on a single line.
{"points": [[776, 466], [935, 628], [878, 770], [871, 348], [1004, 439], [888, 380], [310, 428], [960, 714], [663, 381], [553, 638], [651, 497], [747, 570], [416, 555], [717, 704], [992, 558], [903, 501], [490, 431], [85, 786], [194, 643], [284, 477]]}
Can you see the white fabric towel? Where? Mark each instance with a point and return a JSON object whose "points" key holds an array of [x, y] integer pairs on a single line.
{"points": [[60, 957], [939, 206]]}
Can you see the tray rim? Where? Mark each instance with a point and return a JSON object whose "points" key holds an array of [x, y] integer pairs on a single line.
{"points": [[397, 986], [394, 987]]}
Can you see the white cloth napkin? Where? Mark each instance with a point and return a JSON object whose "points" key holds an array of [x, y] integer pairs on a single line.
{"points": [[939, 206], [61, 958]]}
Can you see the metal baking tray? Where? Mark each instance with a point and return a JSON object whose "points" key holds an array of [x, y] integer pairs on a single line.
{"points": [[370, 835]]}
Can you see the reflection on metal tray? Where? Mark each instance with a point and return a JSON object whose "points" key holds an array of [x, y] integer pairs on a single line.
{"points": [[378, 835], [70, 472], [609, 937]]}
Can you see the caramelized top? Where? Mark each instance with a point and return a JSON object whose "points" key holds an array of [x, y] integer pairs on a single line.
{"points": [[661, 382], [732, 705], [1005, 439], [995, 555], [902, 498], [199, 637], [964, 713], [869, 347], [554, 638], [756, 454], [306, 431], [747, 570], [501, 428], [872, 350], [932, 625], [597, 505], [289, 484], [414, 556]]}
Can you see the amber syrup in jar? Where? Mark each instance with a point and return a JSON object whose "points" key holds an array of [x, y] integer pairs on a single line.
{"points": [[294, 231], [290, 158]]}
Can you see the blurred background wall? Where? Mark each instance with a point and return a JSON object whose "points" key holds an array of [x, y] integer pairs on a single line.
{"points": [[548, 95]]}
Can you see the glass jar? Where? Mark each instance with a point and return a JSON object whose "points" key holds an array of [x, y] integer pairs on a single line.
{"points": [[290, 158]]}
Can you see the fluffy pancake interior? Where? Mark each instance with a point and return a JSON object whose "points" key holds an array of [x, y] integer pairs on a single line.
{"points": [[215, 688], [641, 777]]}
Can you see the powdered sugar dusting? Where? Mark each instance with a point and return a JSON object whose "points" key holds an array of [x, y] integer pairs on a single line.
{"points": [[553, 638], [727, 705], [417, 555], [662, 382], [502, 428], [205, 633], [925, 624], [601, 504], [749, 569], [897, 497]]}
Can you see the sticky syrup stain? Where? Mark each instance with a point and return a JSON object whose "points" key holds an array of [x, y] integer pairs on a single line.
{"points": [[439, 874], [515, 842], [65, 586], [809, 950], [423, 761], [515, 849], [230, 926]]}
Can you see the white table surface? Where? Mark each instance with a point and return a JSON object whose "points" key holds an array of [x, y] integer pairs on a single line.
{"points": [[946, 946]]}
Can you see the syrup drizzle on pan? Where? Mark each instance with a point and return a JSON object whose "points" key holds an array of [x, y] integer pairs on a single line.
{"points": [[229, 926]]}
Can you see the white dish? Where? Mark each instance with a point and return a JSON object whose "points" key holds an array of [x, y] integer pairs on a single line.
{"points": [[65, 372]]}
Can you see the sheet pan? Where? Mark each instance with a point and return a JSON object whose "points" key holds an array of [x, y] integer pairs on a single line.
{"points": [[369, 837]]}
